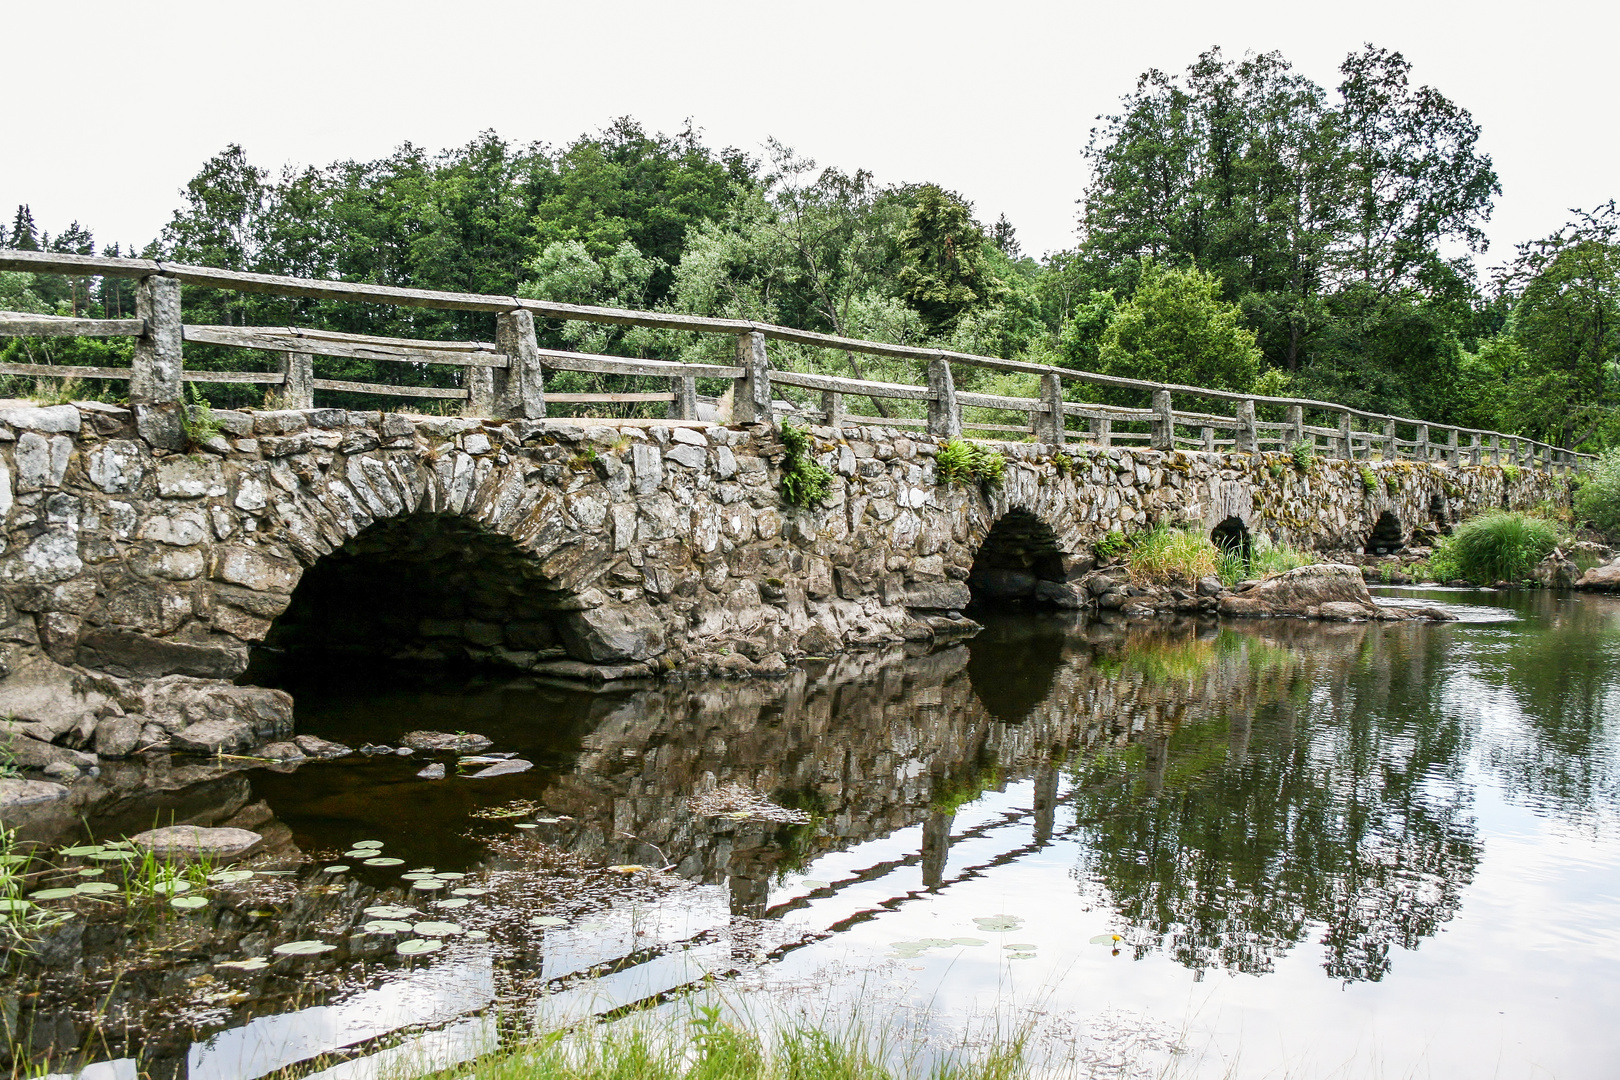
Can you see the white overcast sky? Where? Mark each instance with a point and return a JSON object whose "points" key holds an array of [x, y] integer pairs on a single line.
{"points": [[113, 106]]}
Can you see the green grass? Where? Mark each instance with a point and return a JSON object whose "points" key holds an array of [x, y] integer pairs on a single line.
{"points": [[1173, 557], [1495, 547], [1267, 559]]}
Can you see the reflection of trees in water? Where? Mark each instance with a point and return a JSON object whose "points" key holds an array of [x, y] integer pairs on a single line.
{"points": [[1271, 790]]}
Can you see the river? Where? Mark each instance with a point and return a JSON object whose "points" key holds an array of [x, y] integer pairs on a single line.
{"points": [[1247, 849]]}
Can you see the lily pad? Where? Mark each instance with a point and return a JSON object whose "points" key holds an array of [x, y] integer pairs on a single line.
{"points": [[450, 875], [252, 963], [338, 869], [998, 924], [384, 860], [470, 892], [83, 850], [230, 877], [387, 926], [389, 911], [1021, 947], [477, 935], [1106, 939], [53, 894], [415, 875], [91, 871], [360, 853], [427, 884], [547, 920], [969, 941], [422, 870], [113, 855], [547, 820], [591, 927], [367, 844], [458, 902], [96, 887], [189, 903], [525, 825], [10, 907], [438, 929], [418, 946], [171, 887], [812, 883], [1021, 956], [303, 948]]}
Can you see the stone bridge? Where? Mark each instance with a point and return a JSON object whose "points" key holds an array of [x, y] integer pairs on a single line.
{"points": [[135, 580]]}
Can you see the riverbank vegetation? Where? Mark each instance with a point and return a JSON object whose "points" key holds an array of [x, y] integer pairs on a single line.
{"points": [[1181, 557], [1244, 227], [1495, 547]]}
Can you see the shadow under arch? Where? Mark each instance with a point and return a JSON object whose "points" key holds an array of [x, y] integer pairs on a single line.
{"points": [[1019, 554], [1232, 537], [423, 588], [1386, 536]]}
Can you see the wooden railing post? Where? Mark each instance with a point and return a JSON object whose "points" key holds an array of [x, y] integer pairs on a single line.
{"points": [[1346, 447], [1248, 436], [1295, 419], [685, 405], [751, 403], [519, 389], [1391, 451], [1052, 428], [1164, 422], [1102, 431], [944, 418], [832, 408], [298, 387]]}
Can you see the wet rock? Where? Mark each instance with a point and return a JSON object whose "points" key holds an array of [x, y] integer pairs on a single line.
{"points": [[1060, 594], [1210, 586], [117, 736], [131, 654], [1302, 592], [321, 748], [282, 751], [591, 673], [610, 634], [434, 771], [16, 793], [1601, 578], [214, 737], [816, 641], [1556, 571], [502, 768], [403, 751], [63, 771], [31, 753], [194, 841], [938, 595], [373, 749], [464, 742], [1340, 611]]}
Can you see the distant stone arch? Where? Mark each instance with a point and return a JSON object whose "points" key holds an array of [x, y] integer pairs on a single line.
{"points": [[1387, 536]]}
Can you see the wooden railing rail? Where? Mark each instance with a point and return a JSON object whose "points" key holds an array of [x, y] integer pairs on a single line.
{"points": [[507, 377]]}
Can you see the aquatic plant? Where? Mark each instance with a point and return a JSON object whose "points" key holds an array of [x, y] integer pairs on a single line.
{"points": [[1501, 546]]}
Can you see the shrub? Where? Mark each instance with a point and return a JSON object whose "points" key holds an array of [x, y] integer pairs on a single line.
{"points": [[1392, 483], [1511, 472], [804, 482], [1173, 556], [959, 461], [988, 464], [1304, 455], [1110, 547], [1597, 499], [1369, 479], [1494, 547]]}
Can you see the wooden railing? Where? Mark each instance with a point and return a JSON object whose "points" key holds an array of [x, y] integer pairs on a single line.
{"points": [[506, 377]]}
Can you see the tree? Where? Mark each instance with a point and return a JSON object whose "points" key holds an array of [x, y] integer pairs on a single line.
{"points": [[945, 273], [23, 236], [1176, 328]]}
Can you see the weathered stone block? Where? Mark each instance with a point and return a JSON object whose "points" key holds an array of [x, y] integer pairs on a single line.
{"points": [[938, 595], [254, 569], [129, 653], [190, 478], [613, 633]]}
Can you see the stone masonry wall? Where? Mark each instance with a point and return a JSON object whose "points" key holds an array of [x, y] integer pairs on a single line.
{"points": [[623, 551]]}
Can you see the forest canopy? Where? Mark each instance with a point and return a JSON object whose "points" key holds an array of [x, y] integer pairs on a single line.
{"points": [[1242, 227]]}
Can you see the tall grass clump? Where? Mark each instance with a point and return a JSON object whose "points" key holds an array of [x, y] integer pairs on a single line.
{"points": [[1168, 556], [1267, 559], [1496, 547], [1597, 499]]}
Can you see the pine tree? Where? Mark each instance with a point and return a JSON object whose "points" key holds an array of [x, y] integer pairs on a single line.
{"points": [[22, 230]]}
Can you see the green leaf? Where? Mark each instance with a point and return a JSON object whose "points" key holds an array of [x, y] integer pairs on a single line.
{"points": [[189, 903], [303, 948], [438, 929], [385, 861], [419, 946], [54, 894], [387, 926]]}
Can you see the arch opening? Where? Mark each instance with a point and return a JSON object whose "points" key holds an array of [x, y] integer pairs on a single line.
{"points": [[1231, 538], [1020, 562], [427, 588], [1386, 537]]}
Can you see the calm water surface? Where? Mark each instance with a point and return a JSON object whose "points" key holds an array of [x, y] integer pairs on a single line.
{"points": [[1262, 849]]}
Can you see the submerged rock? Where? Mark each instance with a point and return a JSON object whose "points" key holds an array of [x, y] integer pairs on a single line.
{"points": [[502, 768], [463, 742], [214, 737], [14, 793], [434, 771], [194, 841]]}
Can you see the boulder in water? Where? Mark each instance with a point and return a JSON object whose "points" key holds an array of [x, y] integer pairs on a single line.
{"points": [[194, 841]]}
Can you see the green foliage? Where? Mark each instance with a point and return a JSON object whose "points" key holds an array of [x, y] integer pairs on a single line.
{"points": [[1304, 455], [1166, 556], [1511, 473], [1111, 546], [1369, 480], [1597, 498], [1063, 463], [1267, 558], [1495, 547], [1392, 483], [988, 465], [804, 482], [583, 460], [1176, 328], [959, 461], [197, 419], [945, 273]]}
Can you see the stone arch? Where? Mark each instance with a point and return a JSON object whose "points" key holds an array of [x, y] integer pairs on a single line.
{"points": [[1019, 560], [1232, 537], [1387, 536]]}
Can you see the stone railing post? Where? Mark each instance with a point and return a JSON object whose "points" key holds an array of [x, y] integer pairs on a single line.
{"points": [[832, 409], [1495, 443], [1248, 435], [1051, 428], [1453, 455], [1102, 431], [1347, 448], [1206, 435], [1476, 449], [685, 405], [1391, 451], [519, 389], [1295, 419], [479, 382], [298, 380], [155, 388], [1421, 450], [1164, 422], [751, 403], [944, 418]]}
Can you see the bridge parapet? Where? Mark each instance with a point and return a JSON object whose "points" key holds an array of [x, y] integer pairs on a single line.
{"points": [[506, 378]]}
